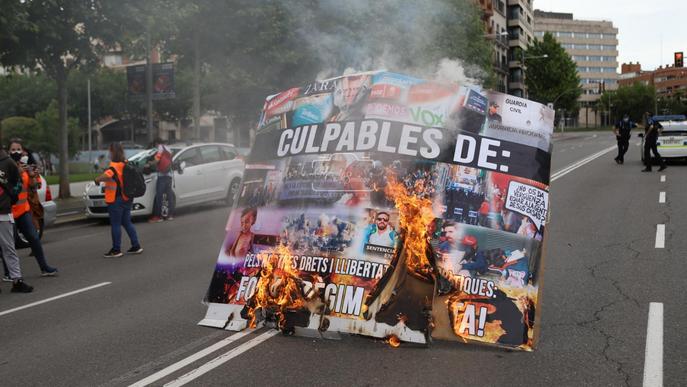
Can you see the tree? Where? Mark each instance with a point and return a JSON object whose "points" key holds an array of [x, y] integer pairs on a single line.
{"points": [[25, 94], [56, 36], [295, 42], [632, 100], [40, 133], [554, 78]]}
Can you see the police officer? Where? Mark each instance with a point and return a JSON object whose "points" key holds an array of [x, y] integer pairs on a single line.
{"points": [[622, 130], [651, 130]]}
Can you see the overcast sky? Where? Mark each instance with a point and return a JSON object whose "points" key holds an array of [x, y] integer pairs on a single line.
{"points": [[642, 26]]}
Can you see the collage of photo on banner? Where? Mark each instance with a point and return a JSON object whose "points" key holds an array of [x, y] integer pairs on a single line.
{"points": [[385, 205]]}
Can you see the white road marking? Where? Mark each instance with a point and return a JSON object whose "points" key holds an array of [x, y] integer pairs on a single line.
{"points": [[196, 356], [574, 166], [661, 197], [660, 236], [53, 298], [653, 352], [221, 359], [663, 178]]}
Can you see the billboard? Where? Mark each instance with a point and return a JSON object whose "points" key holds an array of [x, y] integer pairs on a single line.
{"points": [[390, 206], [163, 81]]}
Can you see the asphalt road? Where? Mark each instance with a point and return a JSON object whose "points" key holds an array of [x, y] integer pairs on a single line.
{"points": [[601, 272]]}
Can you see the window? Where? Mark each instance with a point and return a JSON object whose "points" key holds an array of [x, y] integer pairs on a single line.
{"points": [[608, 47], [563, 34], [210, 154], [191, 157], [228, 153]]}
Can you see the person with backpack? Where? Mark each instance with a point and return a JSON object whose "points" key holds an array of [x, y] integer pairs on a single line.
{"points": [[118, 182], [163, 188], [9, 177]]}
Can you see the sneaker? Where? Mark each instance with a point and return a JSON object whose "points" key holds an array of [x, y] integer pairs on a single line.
{"points": [[170, 218], [51, 272], [662, 168], [135, 250], [155, 219], [113, 254], [6, 279], [20, 286]]}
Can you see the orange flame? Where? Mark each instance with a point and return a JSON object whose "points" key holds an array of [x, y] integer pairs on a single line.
{"points": [[393, 341], [415, 216], [279, 286]]}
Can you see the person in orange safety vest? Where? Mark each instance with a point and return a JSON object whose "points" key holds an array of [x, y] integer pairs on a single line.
{"points": [[118, 205], [21, 210]]}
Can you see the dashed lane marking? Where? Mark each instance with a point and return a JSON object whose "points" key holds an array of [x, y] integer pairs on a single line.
{"points": [[653, 352], [663, 178], [662, 197], [660, 236]]}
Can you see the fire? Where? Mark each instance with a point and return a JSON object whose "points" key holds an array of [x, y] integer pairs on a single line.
{"points": [[415, 216], [393, 341], [279, 288]]}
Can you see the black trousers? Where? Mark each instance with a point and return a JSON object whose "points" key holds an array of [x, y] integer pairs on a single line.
{"points": [[623, 145], [650, 147]]}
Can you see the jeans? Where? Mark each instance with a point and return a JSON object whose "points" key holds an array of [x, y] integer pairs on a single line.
{"points": [[9, 255], [25, 226], [120, 215], [163, 186]]}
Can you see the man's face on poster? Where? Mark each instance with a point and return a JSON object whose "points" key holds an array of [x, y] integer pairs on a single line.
{"points": [[493, 109], [451, 234], [382, 221], [247, 222]]}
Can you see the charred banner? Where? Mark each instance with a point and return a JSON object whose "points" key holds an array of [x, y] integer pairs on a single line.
{"points": [[386, 205]]}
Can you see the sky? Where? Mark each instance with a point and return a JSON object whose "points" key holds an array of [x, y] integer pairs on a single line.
{"points": [[645, 28]]}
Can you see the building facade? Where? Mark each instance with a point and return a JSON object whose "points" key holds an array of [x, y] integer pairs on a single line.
{"points": [[593, 45], [508, 24], [667, 80], [520, 28]]}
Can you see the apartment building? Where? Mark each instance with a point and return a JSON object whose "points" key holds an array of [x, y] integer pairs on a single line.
{"points": [[593, 45], [667, 80]]}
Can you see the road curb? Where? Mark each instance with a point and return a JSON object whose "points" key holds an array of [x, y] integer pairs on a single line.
{"points": [[62, 220]]}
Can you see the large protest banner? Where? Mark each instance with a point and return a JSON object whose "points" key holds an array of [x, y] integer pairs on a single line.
{"points": [[385, 205]]}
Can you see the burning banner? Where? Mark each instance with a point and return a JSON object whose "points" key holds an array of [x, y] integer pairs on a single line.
{"points": [[385, 205]]}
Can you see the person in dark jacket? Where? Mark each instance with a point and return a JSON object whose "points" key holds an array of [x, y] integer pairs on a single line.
{"points": [[622, 131], [651, 130], [9, 177]]}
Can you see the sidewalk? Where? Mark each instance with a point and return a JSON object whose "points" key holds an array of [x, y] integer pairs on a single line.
{"points": [[71, 209]]}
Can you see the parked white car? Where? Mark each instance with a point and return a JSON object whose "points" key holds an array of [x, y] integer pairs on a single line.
{"points": [[202, 173]]}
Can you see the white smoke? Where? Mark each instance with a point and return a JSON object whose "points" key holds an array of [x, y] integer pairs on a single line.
{"points": [[385, 34]]}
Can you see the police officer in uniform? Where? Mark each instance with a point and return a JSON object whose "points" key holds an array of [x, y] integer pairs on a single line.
{"points": [[622, 134]]}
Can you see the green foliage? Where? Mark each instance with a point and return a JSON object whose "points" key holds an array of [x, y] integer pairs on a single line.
{"points": [[108, 95], [25, 94], [632, 100], [23, 127], [552, 79], [675, 104]]}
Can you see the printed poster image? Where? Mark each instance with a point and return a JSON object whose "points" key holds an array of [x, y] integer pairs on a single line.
{"points": [[385, 205]]}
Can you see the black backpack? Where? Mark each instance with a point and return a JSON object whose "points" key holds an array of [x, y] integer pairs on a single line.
{"points": [[134, 184]]}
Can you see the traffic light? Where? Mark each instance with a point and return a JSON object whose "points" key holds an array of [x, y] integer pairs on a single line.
{"points": [[679, 59]]}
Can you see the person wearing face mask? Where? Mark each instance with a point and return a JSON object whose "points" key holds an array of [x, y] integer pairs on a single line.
{"points": [[21, 210], [9, 177], [118, 204], [622, 131]]}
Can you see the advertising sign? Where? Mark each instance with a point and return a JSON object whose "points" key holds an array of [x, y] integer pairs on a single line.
{"points": [[163, 81], [389, 206]]}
